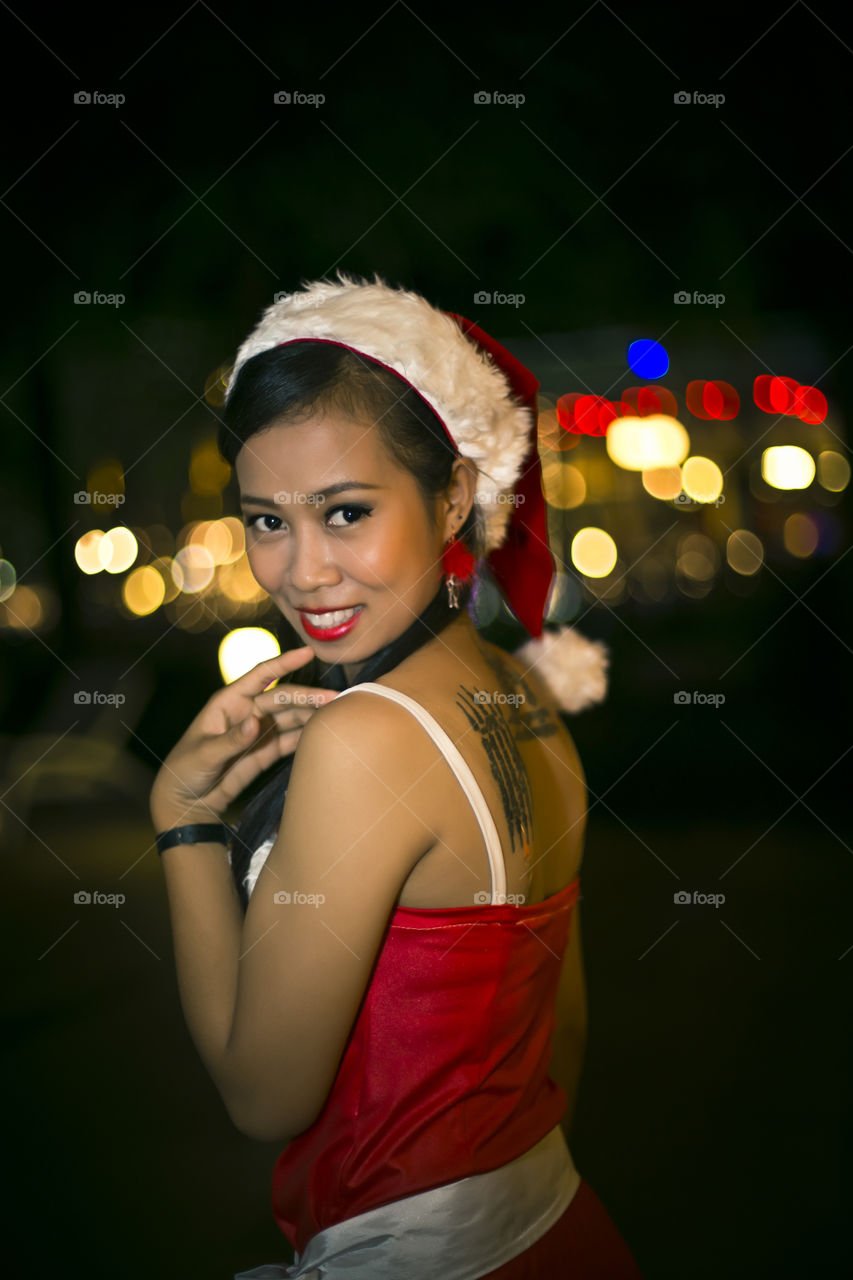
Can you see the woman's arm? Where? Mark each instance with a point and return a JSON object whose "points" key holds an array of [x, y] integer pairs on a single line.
{"points": [[207, 923]]}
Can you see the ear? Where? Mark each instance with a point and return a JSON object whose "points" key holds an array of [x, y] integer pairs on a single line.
{"points": [[461, 492]]}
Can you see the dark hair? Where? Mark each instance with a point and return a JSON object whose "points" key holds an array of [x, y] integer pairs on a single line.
{"points": [[292, 383]]}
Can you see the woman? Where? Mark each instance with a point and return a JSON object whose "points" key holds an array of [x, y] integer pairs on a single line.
{"points": [[378, 973]]}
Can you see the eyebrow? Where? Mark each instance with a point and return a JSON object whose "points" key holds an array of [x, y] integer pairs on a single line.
{"points": [[341, 487]]}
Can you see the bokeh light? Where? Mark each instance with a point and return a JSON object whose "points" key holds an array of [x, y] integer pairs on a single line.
{"points": [[641, 444], [744, 552], [647, 359], [243, 648], [701, 479], [801, 535], [833, 470], [787, 466], [593, 552]]}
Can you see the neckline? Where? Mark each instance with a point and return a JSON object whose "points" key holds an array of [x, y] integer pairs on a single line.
{"points": [[517, 908]]}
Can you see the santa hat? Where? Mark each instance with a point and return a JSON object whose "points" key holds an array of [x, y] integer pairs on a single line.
{"points": [[486, 401]]}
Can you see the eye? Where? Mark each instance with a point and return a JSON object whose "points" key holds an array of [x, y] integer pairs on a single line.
{"points": [[249, 522], [349, 506]]}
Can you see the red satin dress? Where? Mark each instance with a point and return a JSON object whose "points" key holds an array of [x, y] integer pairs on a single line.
{"points": [[445, 1073]]}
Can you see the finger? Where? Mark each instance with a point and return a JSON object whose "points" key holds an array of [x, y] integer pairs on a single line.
{"points": [[256, 680]]}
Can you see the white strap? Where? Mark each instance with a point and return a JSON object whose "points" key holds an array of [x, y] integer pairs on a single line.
{"points": [[463, 773]]}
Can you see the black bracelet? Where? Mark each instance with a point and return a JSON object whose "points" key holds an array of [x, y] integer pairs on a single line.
{"points": [[195, 833]]}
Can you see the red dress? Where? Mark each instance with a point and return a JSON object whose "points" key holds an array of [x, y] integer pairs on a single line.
{"points": [[445, 1074]]}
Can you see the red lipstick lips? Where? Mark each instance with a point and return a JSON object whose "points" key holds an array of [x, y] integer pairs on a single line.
{"points": [[329, 633]]}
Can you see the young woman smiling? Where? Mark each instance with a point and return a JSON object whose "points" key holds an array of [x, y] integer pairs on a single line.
{"points": [[383, 973]]}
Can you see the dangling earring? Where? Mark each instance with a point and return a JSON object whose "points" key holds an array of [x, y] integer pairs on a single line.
{"points": [[457, 565]]}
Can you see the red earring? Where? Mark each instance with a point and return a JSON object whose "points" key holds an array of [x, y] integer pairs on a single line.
{"points": [[457, 565]]}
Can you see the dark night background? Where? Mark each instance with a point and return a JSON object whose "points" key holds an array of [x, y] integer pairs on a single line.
{"points": [[714, 1094]]}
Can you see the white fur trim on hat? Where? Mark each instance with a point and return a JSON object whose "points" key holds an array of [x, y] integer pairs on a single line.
{"points": [[457, 378], [573, 667]]}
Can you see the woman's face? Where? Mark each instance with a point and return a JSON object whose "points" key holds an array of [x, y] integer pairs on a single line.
{"points": [[369, 545]]}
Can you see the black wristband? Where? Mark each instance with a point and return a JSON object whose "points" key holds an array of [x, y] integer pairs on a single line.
{"points": [[195, 833]]}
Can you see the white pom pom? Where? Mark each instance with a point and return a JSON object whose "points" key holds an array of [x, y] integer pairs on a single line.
{"points": [[573, 667]]}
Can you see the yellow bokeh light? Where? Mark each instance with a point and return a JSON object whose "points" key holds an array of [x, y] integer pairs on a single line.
{"points": [[800, 535], [701, 479], [744, 552], [243, 648], [144, 590], [833, 470], [193, 568], [117, 549], [209, 472], [641, 444], [24, 610], [563, 485], [662, 482], [593, 552], [238, 583], [86, 551], [787, 466]]}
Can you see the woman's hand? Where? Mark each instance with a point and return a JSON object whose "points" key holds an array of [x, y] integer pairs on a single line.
{"points": [[239, 733]]}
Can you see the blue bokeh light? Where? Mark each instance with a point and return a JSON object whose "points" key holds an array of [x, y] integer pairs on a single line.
{"points": [[647, 359]]}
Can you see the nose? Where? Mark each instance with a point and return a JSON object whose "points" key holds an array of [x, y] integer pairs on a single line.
{"points": [[311, 565]]}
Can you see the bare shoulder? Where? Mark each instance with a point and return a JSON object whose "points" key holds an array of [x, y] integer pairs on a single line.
{"points": [[366, 727]]}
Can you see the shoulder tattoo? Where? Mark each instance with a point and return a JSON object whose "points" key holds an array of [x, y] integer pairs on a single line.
{"points": [[528, 714], [506, 764]]}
